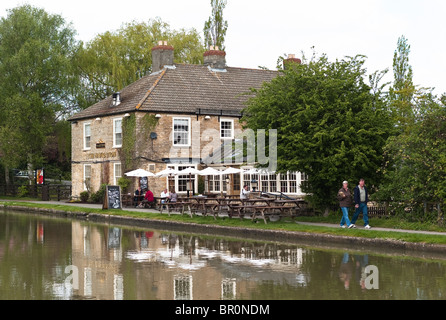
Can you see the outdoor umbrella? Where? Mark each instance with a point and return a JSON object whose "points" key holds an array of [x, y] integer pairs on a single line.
{"points": [[190, 172], [169, 172], [231, 171], [209, 172], [140, 173]]}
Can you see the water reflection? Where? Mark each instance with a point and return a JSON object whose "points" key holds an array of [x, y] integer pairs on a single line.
{"points": [[47, 258]]}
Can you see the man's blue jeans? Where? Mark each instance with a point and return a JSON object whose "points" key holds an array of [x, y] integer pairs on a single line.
{"points": [[365, 213], [345, 219]]}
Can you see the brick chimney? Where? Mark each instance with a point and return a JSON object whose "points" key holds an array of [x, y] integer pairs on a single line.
{"points": [[290, 60], [162, 55], [215, 58]]}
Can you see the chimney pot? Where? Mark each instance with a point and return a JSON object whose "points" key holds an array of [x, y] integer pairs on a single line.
{"points": [[215, 58], [162, 55], [290, 60]]}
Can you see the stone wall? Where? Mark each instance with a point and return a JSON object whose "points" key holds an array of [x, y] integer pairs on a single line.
{"points": [[149, 155]]}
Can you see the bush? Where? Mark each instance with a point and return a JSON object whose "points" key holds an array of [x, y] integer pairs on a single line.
{"points": [[124, 183], [22, 191], [98, 197], [84, 196]]}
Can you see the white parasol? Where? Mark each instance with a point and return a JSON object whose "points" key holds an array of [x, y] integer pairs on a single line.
{"points": [[209, 172], [189, 171], [140, 173], [232, 171], [167, 173]]}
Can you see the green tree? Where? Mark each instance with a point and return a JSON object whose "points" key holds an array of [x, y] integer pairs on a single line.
{"points": [[416, 166], [330, 124], [37, 81], [402, 93], [215, 28], [114, 60]]}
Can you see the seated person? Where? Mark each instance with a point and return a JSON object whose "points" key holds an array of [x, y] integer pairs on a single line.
{"points": [[149, 200], [173, 196], [138, 196], [165, 196], [244, 193]]}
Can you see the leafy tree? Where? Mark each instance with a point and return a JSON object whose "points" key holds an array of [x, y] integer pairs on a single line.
{"points": [[414, 168], [215, 28], [114, 60], [37, 81], [403, 93], [417, 160], [330, 124]]}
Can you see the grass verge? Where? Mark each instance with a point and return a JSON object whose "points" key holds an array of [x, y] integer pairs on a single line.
{"points": [[284, 225]]}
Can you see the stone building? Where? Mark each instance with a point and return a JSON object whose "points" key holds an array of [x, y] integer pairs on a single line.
{"points": [[178, 116]]}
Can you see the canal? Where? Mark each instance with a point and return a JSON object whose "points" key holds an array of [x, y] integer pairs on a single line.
{"points": [[47, 258]]}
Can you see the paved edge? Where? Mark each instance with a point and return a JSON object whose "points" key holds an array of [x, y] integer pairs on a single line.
{"points": [[304, 238]]}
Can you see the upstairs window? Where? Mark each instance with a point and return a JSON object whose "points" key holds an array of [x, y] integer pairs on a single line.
{"points": [[181, 132], [227, 129], [117, 133], [87, 136]]}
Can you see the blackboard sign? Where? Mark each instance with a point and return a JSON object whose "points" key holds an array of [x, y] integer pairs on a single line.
{"points": [[144, 183], [112, 199]]}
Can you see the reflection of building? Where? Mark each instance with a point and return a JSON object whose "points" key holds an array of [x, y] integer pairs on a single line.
{"points": [[152, 266], [97, 255]]}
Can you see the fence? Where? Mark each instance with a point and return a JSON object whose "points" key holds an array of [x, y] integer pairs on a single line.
{"points": [[44, 192]]}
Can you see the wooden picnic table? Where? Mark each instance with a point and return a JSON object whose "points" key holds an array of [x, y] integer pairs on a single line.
{"points": [[296, 204], [177, 205]]}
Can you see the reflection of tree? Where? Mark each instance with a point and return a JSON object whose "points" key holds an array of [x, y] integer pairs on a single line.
{"points": [[27, 267]]}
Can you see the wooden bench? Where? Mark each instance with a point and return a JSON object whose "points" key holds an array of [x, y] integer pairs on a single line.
{"points": [[176, 205], [261, 211]]}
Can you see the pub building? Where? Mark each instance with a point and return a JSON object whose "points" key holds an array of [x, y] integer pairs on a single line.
{"points": [[179, 116]]}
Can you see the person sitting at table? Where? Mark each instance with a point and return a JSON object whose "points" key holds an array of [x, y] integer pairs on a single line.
{"points": [[149, 200], [173, 196], [244, 193], [164, 196], [138, 196]]}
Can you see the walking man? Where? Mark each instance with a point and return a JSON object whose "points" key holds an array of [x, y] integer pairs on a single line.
{"points": [[361, 200], [345, 202]]}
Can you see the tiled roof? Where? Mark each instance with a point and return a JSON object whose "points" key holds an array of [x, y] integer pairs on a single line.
{"points": [[185, 89]]}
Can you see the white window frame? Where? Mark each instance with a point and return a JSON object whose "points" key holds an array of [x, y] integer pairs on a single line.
{"points": [[116, 177], [232, 129], [189, 138], [114, 133], [85, 136], [84, 177], [274, 182], [176, 178]]}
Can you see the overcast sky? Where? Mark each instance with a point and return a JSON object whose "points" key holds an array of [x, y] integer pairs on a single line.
{"points": [[260, 31]]}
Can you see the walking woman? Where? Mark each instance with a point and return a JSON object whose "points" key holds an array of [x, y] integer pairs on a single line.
{"points": [[345, 202]]}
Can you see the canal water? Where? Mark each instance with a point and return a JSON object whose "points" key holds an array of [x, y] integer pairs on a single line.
{"points": [[46, 258]]}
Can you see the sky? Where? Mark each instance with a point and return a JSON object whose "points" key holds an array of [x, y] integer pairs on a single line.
{"points": [[261, 31]]}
